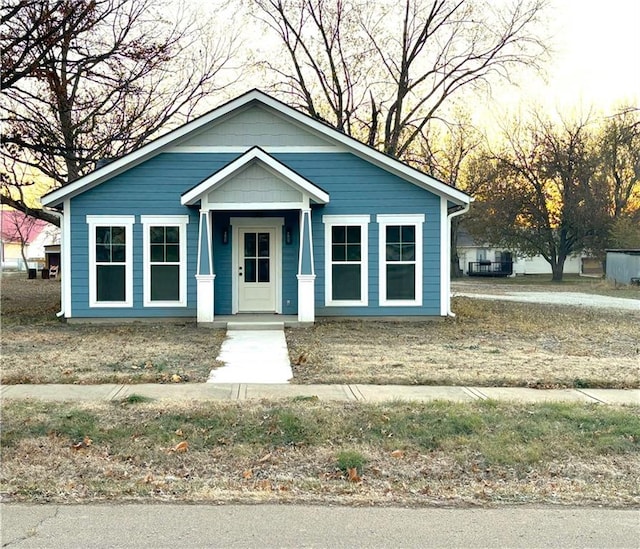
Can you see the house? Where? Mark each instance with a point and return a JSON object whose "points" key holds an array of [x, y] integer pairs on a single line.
{"points": [[255, 208], [479, 259], [18, 229]]}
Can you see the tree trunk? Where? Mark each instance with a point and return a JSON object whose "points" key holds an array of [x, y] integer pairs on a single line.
{"points": [[557, 269]]}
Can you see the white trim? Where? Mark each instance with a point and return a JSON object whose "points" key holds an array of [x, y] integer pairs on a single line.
{"points": [[361, 221], [243, 149], [178, 135], [445, 257], [127, 221], [65, 245], [255, 154], [148, 221], [238, 223], [384, 220]]}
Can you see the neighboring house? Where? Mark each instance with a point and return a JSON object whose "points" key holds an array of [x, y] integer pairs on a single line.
{"points": [[623, 266], [17, 228], [472, 251], [255, 207]]}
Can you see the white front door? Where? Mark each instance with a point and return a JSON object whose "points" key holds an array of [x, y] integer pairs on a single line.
{"points": [[257, 271]]}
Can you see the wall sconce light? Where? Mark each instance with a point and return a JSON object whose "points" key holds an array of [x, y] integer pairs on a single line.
{"points": [[225, 235], [288, 236]]}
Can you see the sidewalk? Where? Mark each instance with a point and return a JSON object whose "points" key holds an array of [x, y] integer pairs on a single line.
{"points": [[353, 393]]}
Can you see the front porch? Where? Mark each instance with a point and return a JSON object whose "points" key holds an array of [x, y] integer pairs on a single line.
{"points": [[255, 247]]}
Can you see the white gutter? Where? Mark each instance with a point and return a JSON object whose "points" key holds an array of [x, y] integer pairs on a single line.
{"points": [[450, 216], [60, 214]]}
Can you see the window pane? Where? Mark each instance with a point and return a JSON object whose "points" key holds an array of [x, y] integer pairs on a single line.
{"points": [[393, 252], [117, 253], [338, 234], [165, 283], [250, 244], [353, 235], [263, 244], [393, 233], [345, 282], [103, 235], [263, 270], [408, 252], [103, 252], [173, 253], [110, 283], [118, 235], [156, 235], [401, 282], [338, 252], [172, 235], [157, 252], [249, 270], [408, 233], [353, 252]]}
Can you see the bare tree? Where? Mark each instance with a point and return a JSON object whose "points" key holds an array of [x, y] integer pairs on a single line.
{"points": [[21, 228], [381, 72], [536, 194], [95, 79]]}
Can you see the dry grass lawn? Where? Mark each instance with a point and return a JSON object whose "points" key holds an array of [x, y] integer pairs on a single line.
{"points": [[483, 453], [37, 348], [489, 343]]}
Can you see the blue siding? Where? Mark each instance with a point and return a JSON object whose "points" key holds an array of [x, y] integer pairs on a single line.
{"points": [[354, 185], [357, 187]]}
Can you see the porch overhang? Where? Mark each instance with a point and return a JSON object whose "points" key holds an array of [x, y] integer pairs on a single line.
{"points": [[255, 181]]}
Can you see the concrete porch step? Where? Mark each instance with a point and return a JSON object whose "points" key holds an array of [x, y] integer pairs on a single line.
{"points": [[256, 325]]}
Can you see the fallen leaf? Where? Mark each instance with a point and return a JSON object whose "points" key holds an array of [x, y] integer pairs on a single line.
{"points": [[264, 458], [398, 453], [353, 475], [247, 474], [175, 378], [148, 478], [87, 441], [264, 485], [181, 446], [179, 432]]}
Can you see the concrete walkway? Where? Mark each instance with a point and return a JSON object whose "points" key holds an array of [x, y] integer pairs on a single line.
{"points": [[253, 356], [354, 393]]}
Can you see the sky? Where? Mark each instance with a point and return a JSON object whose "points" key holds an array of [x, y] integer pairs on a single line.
{"points": [[596, 62]]}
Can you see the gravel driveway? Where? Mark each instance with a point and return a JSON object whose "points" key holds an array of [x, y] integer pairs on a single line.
{"points": [[554, 297]]}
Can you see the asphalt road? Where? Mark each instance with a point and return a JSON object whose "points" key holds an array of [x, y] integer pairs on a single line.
{"points": [[186, 526]]}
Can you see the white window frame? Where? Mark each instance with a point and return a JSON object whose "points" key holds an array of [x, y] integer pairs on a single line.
{"points": [[361, 221], [384, 220], [126, 221], [149, 221]]}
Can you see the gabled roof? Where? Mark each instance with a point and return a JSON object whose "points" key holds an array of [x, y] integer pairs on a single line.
{"points": [[255, 154], [178, 135]]}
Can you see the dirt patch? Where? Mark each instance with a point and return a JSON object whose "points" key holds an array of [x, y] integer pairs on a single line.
{"points": [[489, 343]]}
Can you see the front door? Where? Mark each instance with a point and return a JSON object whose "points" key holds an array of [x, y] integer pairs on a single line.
{"points": [[256, 270]]}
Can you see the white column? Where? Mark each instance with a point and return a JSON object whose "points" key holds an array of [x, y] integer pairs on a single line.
{"points": [[306, 274], [205, 284], [306, 297], [205, 279]]}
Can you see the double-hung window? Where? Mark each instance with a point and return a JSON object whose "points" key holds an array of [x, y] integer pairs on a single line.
{"points": [[346, 259], [110, 260], [400, 259], [165, 260]]}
